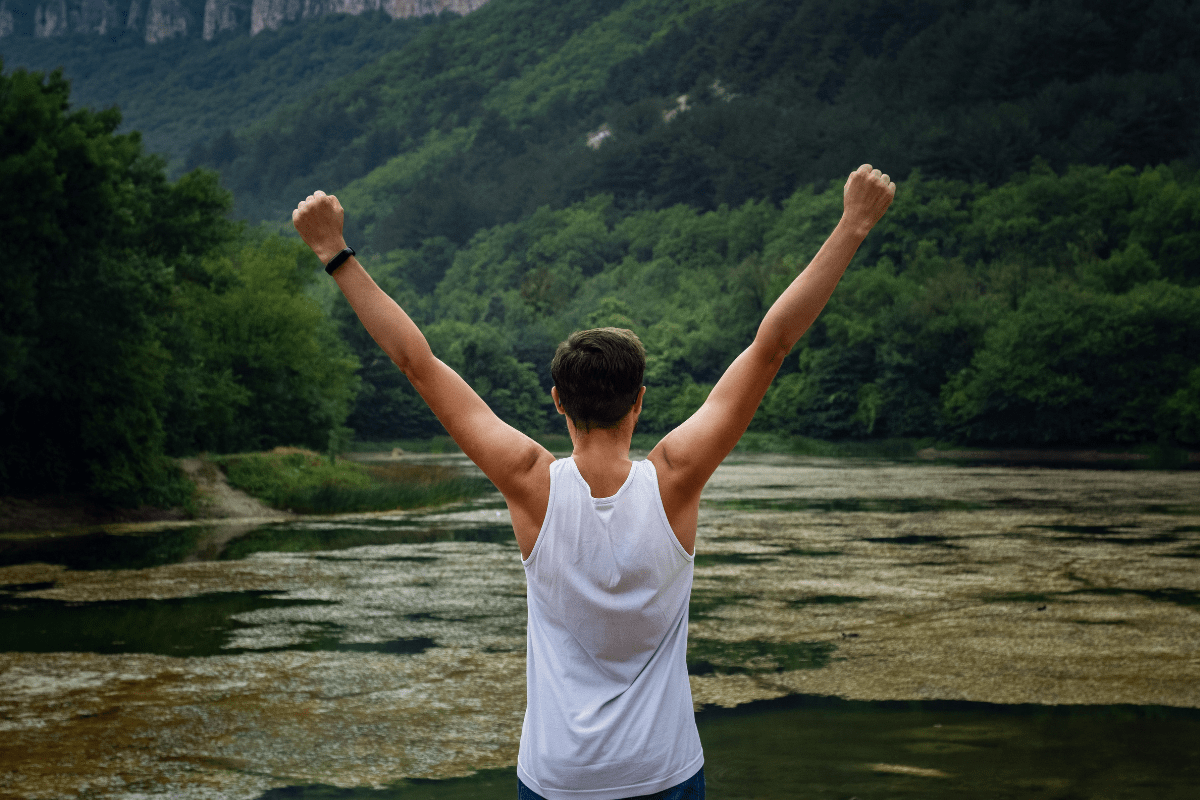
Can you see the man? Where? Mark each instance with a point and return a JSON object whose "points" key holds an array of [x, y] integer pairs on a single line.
{"points": [[607, 543]]}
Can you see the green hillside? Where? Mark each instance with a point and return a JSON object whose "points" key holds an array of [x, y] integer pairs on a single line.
{"points": [[485, 120], [185, 93], [443, 126], [1051, 310]]}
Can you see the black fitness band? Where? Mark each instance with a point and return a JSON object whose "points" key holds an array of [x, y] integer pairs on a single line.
{"points": [[339, 259]]}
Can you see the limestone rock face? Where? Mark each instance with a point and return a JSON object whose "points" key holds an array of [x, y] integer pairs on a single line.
{"points": [[58, 17], [273, 13], [166, 19], [225, 15], [160, 20]]}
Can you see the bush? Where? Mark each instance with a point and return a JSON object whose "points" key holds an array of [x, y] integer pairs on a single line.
{"points": [[303, 482]]}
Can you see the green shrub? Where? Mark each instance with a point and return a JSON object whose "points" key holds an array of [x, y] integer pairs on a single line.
{"points": [[304, 482]]}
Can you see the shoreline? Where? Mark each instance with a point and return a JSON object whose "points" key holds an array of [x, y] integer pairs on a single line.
{"points": [[216, 500], [1042, 456]]}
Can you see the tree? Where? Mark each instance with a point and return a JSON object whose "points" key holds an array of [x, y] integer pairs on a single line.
{"points": [[139, 322], [84, 371], [260, 364], [1074, 366]]}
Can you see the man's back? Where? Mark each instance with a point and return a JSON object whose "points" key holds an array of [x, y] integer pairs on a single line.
{"points": [[609, 709]]}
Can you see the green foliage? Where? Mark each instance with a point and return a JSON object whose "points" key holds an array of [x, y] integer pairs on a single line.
{"points": [[187, 95], [261, 365], [141, 323], [1050, 309], [271, 476], [85, 372], [306, 483], [475, 201], [509, 386], [441, 127], [1071, 366]]}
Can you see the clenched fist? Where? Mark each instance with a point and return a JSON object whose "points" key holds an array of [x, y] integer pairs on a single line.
{"points": [[318, 220], [866, 197]]}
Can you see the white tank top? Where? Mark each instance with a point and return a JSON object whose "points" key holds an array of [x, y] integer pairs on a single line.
{"points": [[609, 707]]}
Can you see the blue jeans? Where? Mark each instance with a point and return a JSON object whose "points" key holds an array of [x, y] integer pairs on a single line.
{"points": [[691, 789]]}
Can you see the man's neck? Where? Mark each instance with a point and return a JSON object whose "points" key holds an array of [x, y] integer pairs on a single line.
{"points": [[602, 444], [602, 456]]}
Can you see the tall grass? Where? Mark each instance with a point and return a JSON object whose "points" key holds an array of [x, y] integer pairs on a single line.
{"points": [[306, 483]]}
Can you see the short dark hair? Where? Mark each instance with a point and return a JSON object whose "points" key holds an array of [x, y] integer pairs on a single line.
{"points": [[598, 374]]}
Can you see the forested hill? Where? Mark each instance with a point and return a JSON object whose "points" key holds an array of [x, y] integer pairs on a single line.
{"points": [[662, 166], [186, 92], [484, 120], [488, 115]]}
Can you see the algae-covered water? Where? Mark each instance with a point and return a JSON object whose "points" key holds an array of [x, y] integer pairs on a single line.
{"points": [[859, 629]]}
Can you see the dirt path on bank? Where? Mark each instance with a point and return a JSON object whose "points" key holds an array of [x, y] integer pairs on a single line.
{"points": [[218, 500], [215, 500]]}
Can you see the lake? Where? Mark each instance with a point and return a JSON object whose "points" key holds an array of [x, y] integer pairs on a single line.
{"points": [[859, 628]]}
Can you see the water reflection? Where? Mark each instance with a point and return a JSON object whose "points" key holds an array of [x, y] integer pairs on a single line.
{"points": [[315, 536], [710, 656], [382, 655], [98, 550], [829, 749], [198, 626], [179, 626], [825, 748]]}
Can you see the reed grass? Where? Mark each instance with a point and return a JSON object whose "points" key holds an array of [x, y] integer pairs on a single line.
{"points": [[306, 483]]}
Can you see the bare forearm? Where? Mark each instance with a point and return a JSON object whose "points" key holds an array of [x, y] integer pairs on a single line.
{"points": [[318, 219], [390, 327], [800, 304], [865, 197]]}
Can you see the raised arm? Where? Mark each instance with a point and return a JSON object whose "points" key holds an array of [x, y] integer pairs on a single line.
{"points": [[687, 456], [508, 457]]}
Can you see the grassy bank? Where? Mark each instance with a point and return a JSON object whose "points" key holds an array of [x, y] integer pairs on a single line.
{"points": [[303, 482]]}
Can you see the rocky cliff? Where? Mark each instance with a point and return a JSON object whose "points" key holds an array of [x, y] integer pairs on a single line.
{"points": [[157, 20]]}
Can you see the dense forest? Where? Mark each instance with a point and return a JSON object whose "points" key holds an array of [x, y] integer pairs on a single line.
{"points": [[1052, 309], [537, 167], [138, 321]]}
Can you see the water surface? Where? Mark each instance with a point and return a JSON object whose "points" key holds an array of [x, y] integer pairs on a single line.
{"points": [[859, 629]]}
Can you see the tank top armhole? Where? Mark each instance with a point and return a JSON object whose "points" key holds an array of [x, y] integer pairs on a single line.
{"points": [[662, 514], [554, 468]]}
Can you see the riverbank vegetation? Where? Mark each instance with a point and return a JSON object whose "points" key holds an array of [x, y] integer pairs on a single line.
{"points": [[139, 322], [306, 483]]}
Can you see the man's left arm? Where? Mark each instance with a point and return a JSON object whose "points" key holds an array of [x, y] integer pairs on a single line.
{"points": [[689, 454]]}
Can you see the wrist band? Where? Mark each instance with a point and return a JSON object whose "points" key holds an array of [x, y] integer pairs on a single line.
{"points": [[339, 259]]}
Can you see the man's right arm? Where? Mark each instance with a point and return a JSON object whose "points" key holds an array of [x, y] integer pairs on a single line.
{"points": [[510, 459], [687, 456]]}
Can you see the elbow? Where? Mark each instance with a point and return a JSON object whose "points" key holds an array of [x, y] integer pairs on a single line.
{"points": [[772, 347], [412, 368], [413, 361], [774, 338], [403, 363]]}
